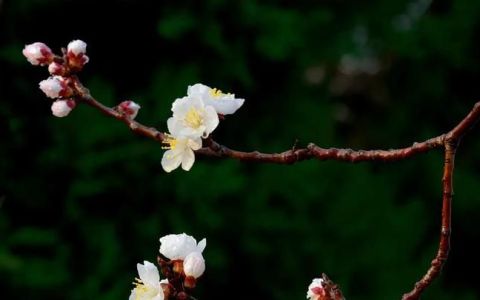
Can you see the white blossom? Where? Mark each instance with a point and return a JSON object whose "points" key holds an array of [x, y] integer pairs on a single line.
{"points": [[180, 152], [77, 47], [192, 118], [38, 53], [224, 103], [315, 289], [54, 87], [194, 264], [129, 108], [147, 287], [61, 108], [178, 246]]}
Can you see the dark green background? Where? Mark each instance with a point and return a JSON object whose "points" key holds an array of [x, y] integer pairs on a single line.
{"points": [[82, 200]]}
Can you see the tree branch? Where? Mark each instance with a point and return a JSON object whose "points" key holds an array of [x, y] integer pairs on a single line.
{"points": [[312, 151], [449, 141]]}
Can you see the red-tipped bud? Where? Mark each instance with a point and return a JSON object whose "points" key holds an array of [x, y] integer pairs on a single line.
{"points": [[129, 108], [56, 87], [56, 69], [194, 265], [38, 54], [76, 54], [61, 108]]}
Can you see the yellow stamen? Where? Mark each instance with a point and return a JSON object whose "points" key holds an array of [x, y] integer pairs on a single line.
{"points": [[193, 118], [169, 141], [140, 289], [216, 93]]}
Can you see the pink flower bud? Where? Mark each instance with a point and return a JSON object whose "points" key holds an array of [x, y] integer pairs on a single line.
{"points": [[61, 108], [38, 54], [55, 87], [194, 265], [56, 69], [77, 47], [76, 53], [129, 108]]}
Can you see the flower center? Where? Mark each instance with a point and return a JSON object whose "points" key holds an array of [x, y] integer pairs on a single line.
{"points": [[193, 118], [141, 290], [216, 93], [169, 141]]}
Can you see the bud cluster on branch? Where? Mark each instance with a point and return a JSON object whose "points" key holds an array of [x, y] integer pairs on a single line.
{"points": [[194, 118], [181, 264]]}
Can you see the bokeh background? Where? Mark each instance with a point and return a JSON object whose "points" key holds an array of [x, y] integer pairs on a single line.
{"points": [[82, 200]]}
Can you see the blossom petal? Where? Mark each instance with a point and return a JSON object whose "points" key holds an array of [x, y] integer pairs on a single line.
{"points": [[180, 107], [148, 273], [177, 246], [174, 126], [171, 160], [194, 144], [211, 119], [201, 245], [188, 159], [159, 296], [197, 89], [196, 102], [225, 106], [192, 132], [133, 295]]}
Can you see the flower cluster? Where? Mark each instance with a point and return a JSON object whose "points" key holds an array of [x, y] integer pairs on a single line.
{"points": [[58, 86], [194, 117], [181, 262]]}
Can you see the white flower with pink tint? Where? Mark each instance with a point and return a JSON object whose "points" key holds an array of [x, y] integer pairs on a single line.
{"points": [[129, 108], [76, 53], [38, 54], [55, 87], [61, 108], [194, 265], [77, 47]]}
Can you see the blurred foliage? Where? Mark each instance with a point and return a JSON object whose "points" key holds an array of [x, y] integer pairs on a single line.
{"points": [[82, 200]]}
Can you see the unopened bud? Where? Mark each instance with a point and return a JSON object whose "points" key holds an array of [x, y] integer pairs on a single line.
{"points": [[38, 54], [324, 289], [76, 53], [56, 69], [194, 265], [55, 87], [61, 108], [129, 108]]}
